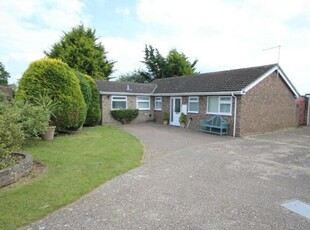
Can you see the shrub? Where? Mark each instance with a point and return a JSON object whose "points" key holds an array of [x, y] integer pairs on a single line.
{"points": [[165, 116], [182, 118], [54, 78], [125, 115], [11, 134], [33, 119], [85, 88], [93, 112], [19, 121]]}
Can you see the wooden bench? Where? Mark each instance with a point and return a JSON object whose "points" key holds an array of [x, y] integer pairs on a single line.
{"points": [[216, 125]]}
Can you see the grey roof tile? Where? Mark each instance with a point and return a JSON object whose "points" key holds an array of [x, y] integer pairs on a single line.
{"points": [[125, 87], [222, 81]]}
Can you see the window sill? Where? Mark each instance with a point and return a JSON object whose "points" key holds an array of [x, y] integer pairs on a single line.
{"points": [[221, 114]]}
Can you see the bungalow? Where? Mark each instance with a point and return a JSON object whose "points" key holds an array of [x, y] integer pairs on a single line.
{"points": [[253, 100]]}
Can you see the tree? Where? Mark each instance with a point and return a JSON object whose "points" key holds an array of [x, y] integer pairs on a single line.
{"points": [[175, 64], [4, 75], [135, 76], [179, 65], [81, 50]]}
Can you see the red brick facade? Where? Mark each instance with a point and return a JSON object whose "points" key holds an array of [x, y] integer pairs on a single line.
{"points": [[144, 115], [268, 106]]}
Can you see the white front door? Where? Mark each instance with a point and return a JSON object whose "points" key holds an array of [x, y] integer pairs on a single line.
{"points": [[175, 110]]}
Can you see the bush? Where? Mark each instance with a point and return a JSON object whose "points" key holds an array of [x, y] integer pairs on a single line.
{"points": [[55, 79], [165, 116], [85, 88], [125, 115], [33, 119], [93, 112], [19, 121], [11, 134]]}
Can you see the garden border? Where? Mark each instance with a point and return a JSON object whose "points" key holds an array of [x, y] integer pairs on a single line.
{"points": [[12, 174]]}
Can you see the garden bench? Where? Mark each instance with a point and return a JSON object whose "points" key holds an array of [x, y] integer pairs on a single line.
{"points": [[216, 125]]}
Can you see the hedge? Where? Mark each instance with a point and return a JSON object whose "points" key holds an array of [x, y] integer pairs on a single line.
{"points": [[125, 115], [93, 112], [55, 79]]}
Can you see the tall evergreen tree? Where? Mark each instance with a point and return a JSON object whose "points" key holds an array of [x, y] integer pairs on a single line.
{"points": [[158, 66], [81, 50], [4, 75]]}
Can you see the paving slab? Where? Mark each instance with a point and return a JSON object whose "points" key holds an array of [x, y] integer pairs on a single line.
{"points": [[194, 180]]}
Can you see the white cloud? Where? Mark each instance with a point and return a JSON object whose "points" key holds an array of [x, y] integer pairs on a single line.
{"points": [[128, 54], [122, 11], [232, 34], [29, 27]]}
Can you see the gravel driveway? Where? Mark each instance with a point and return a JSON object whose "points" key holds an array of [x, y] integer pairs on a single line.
{"points": [[193, 180]]}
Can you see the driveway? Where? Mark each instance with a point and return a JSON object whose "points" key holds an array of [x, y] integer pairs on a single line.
{"points": [[193, 180]]}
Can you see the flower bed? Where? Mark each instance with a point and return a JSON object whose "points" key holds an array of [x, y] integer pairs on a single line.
{"points": [[22, 168]]}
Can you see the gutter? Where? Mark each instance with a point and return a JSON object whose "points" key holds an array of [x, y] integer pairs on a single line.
{"points": [[223, 93], [235, 114], [124, 93], [308, 112]]}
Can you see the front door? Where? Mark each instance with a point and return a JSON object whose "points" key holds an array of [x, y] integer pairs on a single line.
{"points": [[175, 110]]}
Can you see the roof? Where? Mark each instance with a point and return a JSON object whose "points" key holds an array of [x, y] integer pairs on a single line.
{"points": [[110, 87], [7, 90], [222, 81], [237, 81]]}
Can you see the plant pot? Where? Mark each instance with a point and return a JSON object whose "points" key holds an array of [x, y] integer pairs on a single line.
{"points": [[165, 122], [49, 134], [182, 125]]}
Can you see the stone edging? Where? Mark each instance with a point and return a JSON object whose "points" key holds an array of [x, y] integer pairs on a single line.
{"points": [[12, 174]]}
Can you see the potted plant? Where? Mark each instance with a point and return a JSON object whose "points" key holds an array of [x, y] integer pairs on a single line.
{"points": [[165, 118], [182, 120], [50, 108]]}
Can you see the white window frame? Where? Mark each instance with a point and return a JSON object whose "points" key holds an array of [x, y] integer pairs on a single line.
{"points": [[117, 98], [143, 100], [196, 101], [219, 105], [159, 100]]}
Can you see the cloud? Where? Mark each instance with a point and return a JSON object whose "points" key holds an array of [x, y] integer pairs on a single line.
{"points": [[32, 26], [122, 11], [232, 34], [126, 53]]}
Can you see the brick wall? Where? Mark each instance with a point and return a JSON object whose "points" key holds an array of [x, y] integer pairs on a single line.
{"points": [[195, 117], [144, 115], [268, 106], [301, 108]]}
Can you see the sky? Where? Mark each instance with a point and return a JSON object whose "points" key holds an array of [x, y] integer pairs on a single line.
{"points": [[221, 34]]}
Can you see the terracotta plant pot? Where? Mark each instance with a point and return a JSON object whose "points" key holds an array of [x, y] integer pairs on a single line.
{"points": [[183, 125], [165, 122], [49, 134]]}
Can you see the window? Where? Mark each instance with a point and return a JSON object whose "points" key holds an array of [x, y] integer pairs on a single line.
{"points": [[143, 103], [193, 104], [119, 102], [158, 101], [219, 105]]}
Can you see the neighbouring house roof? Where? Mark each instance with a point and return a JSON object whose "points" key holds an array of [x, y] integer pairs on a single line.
{"points": [[122, 88], [237, 81], [8, 91]]}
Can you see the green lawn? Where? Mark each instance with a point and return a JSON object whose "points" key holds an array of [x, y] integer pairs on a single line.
{"points": [[76, 164]]}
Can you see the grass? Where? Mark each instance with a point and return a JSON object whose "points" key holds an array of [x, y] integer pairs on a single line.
{"points": [[76, 164]]}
